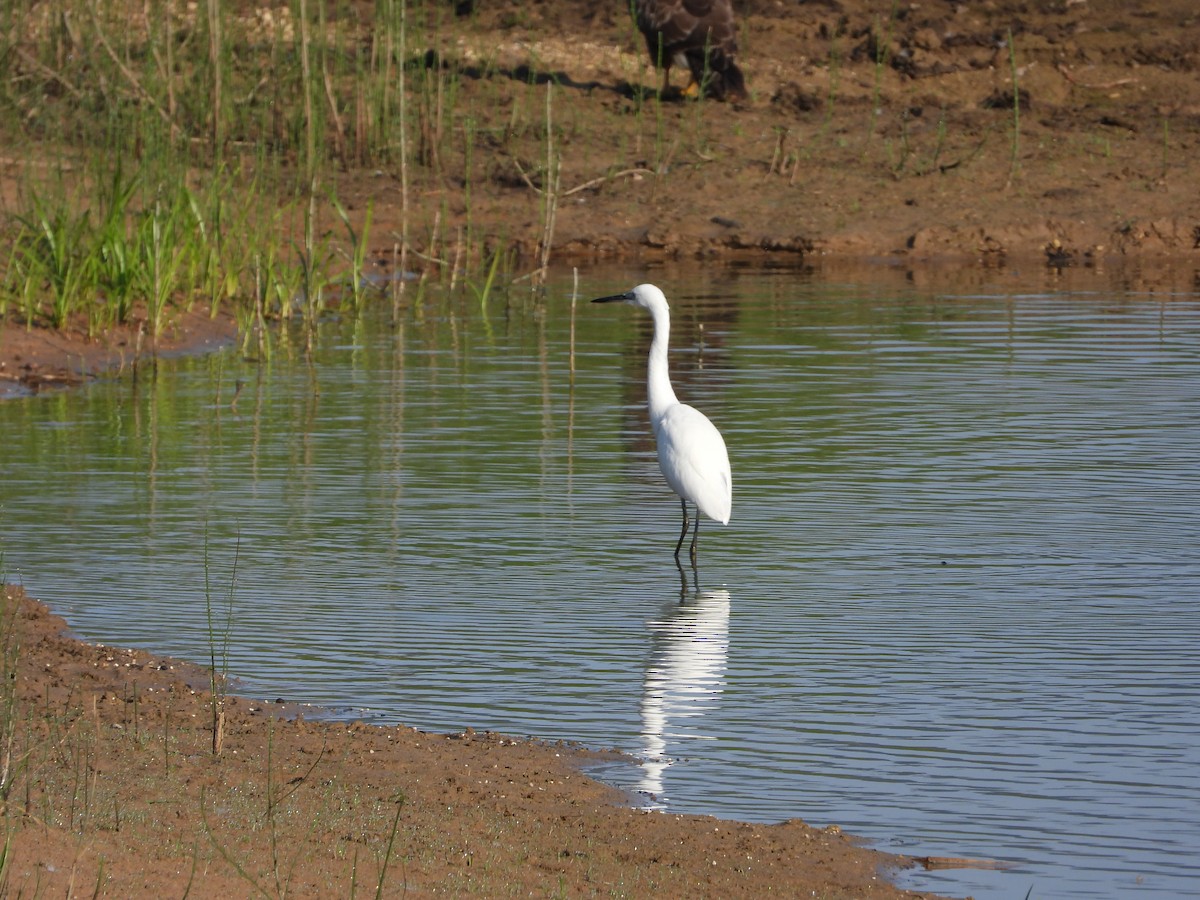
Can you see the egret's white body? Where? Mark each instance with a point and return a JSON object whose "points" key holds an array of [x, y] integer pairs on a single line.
{"points": [[691, 452]]}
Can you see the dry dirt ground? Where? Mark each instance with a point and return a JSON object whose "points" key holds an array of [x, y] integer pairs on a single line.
{"points": [[873, 131]]}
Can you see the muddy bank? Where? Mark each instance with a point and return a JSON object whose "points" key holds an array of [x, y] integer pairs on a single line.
{"points": [[112, 788], [39, 359], [977, 133]]}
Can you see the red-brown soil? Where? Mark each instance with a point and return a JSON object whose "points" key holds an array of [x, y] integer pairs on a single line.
{"points": [[38, 359], [871, 130]]}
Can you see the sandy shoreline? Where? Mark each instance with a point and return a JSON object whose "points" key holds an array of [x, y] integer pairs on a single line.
{"points": [[111, 749]]}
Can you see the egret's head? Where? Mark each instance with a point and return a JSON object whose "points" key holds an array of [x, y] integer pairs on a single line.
{"points": [[647, 296]]}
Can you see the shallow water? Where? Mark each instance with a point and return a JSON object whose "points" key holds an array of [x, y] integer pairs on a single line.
{"points": [[957, 609]]}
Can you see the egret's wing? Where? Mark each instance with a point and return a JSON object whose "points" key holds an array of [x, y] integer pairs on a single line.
{"points": [[694, 461]]}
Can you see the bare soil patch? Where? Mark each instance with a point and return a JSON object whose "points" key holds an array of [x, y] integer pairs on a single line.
{"points": [[38, 359], [983, 132]]}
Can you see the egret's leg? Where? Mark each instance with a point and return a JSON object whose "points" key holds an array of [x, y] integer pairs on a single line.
{"points": [[683, 532], [695, 536]]}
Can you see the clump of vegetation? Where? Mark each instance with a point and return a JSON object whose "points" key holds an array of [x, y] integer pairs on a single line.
{"points": [[131, 250], [228, 122]]}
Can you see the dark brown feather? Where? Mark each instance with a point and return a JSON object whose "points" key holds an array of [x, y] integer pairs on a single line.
{"points": [[701, 33]]}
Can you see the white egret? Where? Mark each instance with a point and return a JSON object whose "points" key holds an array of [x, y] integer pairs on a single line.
{"points": [[691, 452]]}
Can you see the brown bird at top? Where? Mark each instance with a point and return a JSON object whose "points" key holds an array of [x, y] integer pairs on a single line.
{"points": [[700, 34]]}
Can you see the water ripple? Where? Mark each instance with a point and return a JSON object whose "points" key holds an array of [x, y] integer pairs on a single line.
{"points": [[956, 609]]}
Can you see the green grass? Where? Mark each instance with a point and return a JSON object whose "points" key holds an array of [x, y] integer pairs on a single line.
{"points": [[234, 125], [217, 112], [154, 250], [1015, 142], [55, 259]]}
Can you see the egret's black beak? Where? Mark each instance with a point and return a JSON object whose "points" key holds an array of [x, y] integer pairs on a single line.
{"points": [[625, 297]]}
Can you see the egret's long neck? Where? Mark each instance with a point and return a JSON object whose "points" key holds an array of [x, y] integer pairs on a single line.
{"points": [[659, 392]]}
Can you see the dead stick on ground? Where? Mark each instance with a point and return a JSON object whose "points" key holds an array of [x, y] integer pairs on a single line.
{"points": [[129, 76], [50, 73], [624, 173], [1100, 86], [959, 862], [339, 133], [594, 182]]}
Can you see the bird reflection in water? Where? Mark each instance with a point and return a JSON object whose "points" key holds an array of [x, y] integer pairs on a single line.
{"points": [[685, 676]]}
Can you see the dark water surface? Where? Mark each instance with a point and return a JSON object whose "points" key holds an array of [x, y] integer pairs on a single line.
{"points": [[957, 609]]}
